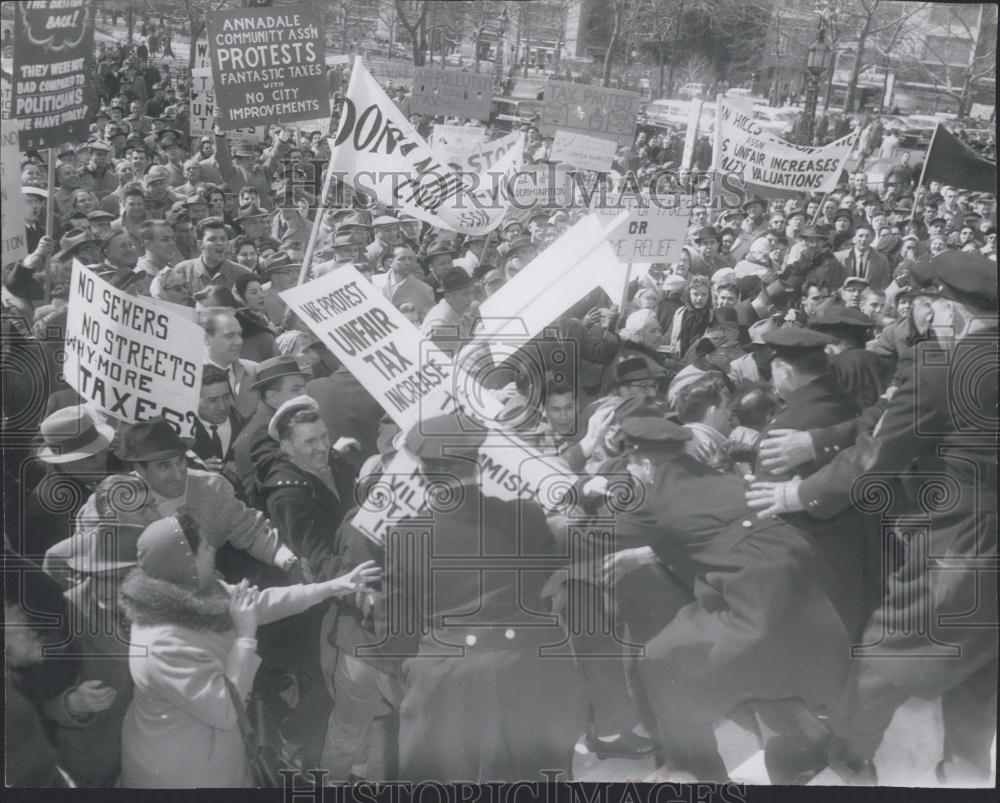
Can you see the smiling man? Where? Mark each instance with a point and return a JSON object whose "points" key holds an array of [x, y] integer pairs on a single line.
{"points": [[213, 265]]}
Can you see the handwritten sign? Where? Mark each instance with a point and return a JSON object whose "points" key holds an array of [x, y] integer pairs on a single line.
{"points": [[653, 232], [586, 109], [13, 242], [452, 93], [583, 151], [452, 142], [133, 358]]}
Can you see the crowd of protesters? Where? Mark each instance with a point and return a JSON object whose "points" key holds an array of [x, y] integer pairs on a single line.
{"points": [[785, 331]]}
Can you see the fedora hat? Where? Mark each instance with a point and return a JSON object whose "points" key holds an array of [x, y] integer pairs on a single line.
{"points": [[275, 368], [150, 440], [279, 261], [73, 240], [456, 279], [106, 547], [71, 434]]}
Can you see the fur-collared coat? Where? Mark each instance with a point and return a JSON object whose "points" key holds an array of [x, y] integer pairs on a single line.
{"points": [[180, 730]]}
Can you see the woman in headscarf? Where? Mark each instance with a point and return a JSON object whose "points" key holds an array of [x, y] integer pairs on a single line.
{"points": [[170, 284], [258, 333], [691, 320], [190, 634]]}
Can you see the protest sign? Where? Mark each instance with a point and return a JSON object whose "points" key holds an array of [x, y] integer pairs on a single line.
{"points": [[510, 470], [655, 230], [561, 275], [380, 152], [587, 109], [51, 87], [583, 151], [769, 163], [541, 186], [405, 373], [131, 357], [267, 65], [13, 242], [202, 112], [452, 142], [452, 93], [395, 70], [484, 156]]}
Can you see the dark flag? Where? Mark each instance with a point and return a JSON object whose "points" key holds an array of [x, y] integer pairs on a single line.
{"points": [[952, 162]]}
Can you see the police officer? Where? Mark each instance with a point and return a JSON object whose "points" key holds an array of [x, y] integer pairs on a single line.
{"points": [[480, 703], [760, 626], [937, 431]]}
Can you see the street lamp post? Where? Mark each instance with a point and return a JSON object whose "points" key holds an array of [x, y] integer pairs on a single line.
{"points": [[498, 61], [817, 63]]}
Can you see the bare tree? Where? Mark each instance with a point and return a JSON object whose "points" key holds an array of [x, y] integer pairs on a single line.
{"points": [[618, 8], [416, 27], [923, 58]]}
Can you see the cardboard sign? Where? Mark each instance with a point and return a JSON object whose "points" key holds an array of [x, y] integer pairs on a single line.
{"points": [[452, 93], [452, 142], [13, 241], [268, 66], [383, 68], [587, 109], [52, 86], [510, 470], [203, 106], [378, 150], [542, 186], [131, 357], [583, 151], [765, 161], [557, 278], [652, 233], [407, 374]]}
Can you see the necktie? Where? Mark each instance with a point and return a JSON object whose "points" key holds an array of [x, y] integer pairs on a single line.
{"points": [[861, 266], [216, 442]]}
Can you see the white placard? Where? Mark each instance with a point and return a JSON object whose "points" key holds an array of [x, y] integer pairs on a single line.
{"points": [[583, 151]]}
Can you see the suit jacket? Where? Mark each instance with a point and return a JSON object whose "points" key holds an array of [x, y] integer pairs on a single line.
{"points": [[203, 440], [244, 397], [879, 272]]}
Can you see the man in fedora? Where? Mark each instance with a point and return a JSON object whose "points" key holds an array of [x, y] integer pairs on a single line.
{"points": [[278, 380], [75, 453], [449, 322], [159, 459]]}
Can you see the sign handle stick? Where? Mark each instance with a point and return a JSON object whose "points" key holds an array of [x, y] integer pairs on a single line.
{"points": [[624, 302], [314, 234], [819, 208], [50, 223], [923, 168]]}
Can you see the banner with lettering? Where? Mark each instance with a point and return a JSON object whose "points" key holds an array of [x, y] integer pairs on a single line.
{"points": [[377, 150], [770, 163]]}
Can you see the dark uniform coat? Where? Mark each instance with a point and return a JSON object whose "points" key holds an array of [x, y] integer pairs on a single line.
{"points": [[843, 540], [479, 703], [864, 375], [937, 625], [762, 623]]}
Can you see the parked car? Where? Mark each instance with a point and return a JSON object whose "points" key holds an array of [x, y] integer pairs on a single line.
{"points": [[775, 121], [692, 90]]}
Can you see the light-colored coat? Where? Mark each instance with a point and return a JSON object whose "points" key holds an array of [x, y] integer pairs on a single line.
{"points": [[181, 729]]}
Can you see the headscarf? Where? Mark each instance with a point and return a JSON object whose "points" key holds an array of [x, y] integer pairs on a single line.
{"points": [[695, 321]]}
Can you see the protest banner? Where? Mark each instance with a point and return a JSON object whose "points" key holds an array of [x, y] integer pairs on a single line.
{"points": [[540, 186], [769, 163], [51, 86], [654, 231], [405, 373], [13, 241], [131, 357], [378, 151], [587, 109], [267, 65], [452, 142], [583, 151], [452, 93]]}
